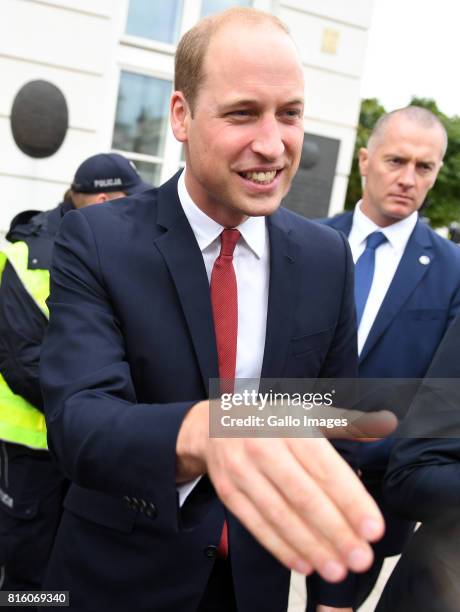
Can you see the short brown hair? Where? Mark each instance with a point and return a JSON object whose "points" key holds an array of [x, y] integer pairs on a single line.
{"points": [[191, 50]]}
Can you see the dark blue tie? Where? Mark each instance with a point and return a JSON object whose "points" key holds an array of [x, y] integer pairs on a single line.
{"points": [[364, 272]]}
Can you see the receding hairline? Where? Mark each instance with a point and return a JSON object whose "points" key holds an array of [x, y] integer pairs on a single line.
{"points": [[243, 15], [422, 117], [194, 44], [246, 17]]}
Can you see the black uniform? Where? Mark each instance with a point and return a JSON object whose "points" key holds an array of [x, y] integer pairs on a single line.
{"points": [[31, 486]]}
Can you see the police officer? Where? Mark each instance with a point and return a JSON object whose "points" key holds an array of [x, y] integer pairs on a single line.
{"points": [[31, 486]]}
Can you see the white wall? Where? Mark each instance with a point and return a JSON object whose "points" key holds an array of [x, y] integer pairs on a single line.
{"points": [[332, 79], [80, 46], [72, 44]]}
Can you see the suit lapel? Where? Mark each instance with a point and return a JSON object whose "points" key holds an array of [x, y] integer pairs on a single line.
{"points": [[281, 295], [184, 260], [342, 222], [408, 275], [185, 263]]}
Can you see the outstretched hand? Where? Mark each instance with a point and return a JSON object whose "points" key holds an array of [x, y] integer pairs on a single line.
{"points": [[296, 496]]}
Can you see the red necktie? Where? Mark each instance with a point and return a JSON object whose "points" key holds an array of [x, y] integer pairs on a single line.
{"points": [[224, 300]]}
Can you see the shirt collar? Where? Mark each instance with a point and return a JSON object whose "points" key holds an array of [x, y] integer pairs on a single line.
{"points": [[206, 230], [397, 233]]}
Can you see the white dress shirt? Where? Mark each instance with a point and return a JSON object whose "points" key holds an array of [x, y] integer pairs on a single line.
{"points": [[387, 258], [251, 261]]}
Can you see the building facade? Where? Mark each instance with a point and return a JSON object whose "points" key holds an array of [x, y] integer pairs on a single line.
{"points": [[111, 63]]}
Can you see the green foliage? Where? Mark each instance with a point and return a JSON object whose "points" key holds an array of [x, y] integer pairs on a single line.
{"points": [[444, 199], [371, 110]]}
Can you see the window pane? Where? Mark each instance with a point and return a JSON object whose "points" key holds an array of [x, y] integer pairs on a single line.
{"points": [[154, 19], [142, 114], [214, 6], [149, 172]]}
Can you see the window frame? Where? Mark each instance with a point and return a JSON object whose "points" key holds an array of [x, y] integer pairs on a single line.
{"points": [[137, 54]]}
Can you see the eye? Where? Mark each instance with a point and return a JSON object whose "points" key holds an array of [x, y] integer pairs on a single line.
{"points": [[425, 168], [240, 113], [292, 113], [395, 161]]}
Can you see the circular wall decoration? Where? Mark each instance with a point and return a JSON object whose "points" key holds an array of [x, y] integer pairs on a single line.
{"points": [[310, 154], [39, 119]]}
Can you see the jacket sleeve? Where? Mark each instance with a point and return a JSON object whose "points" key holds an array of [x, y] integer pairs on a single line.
{"points": [[22, 328], [424, 469], [102, 436]]}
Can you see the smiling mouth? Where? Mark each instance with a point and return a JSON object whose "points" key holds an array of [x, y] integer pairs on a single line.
{"points": [[261, 178]]}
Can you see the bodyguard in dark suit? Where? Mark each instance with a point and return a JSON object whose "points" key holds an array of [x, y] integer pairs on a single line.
{"points": [[408, 303], [135, 336], [422, 483]]}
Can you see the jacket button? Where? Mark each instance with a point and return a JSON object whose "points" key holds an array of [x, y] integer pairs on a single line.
{"points": [[135, 504], [131, 503], [210, 551], [151, 511]]}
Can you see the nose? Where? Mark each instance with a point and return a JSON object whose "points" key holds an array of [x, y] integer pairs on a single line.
{"points": [[268, 140], [407, 176]]}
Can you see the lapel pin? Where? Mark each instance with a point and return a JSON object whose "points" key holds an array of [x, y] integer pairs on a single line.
{"points": [[424, 260]]}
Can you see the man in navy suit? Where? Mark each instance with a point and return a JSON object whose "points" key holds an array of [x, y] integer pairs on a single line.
{"points": [[413, 297], [132, 345]]}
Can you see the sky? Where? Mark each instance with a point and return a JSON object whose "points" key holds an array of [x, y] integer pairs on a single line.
{"points": [[414, 49]]}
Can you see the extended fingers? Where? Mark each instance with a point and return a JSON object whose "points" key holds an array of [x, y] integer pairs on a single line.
{"points": [[360, 425], [288, 508], [272, 521], [341, 485], [251, 516], [309, 499]]}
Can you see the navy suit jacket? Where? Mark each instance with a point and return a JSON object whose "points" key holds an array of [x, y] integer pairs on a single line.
{"points": [[420, 304], [130, 348], [422, 483]]}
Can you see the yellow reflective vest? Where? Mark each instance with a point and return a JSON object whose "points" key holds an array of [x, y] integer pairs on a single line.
{"points": [[20, 422]]}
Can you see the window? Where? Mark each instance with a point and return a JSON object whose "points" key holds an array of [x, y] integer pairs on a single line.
{"points": [[155, 20], [150, 173], [214, 6], [141, 121]]}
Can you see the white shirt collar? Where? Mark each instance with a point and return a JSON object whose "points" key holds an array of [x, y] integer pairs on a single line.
{"points": [[397, 234], [206, 230]]}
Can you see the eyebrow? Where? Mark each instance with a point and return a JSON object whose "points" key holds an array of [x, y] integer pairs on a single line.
{"points": [[429, 162], [255, 102], [295, 102]]}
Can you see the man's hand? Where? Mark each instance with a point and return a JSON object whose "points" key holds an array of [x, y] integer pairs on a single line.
{"points": [[297, 496]]}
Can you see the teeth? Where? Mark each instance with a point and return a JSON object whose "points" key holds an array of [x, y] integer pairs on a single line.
{"points": [[260, 177]]}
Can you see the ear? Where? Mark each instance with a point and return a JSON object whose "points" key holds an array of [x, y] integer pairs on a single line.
{"points": [[363, 159], [180, 116]]}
